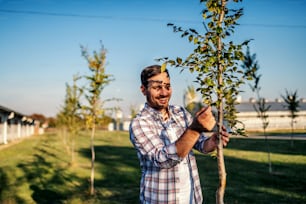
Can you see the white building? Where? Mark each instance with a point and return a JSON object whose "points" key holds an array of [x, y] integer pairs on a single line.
{"points": [[14, 125], [278, 116]]}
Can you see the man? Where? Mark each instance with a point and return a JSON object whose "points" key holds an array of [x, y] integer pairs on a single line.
{"points": [[164, 136]]}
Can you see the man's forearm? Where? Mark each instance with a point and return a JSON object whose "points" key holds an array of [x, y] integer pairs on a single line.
{"points": [[185, 143], [204, 120]]}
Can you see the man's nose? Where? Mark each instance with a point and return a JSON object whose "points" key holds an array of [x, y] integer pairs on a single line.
{"points": [[164, 90]]}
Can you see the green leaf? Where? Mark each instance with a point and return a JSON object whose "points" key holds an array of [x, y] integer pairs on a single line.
{"points": [[163, 67], [179, 60]]}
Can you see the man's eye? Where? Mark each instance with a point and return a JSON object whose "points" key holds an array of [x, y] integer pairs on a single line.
{"points": [[157, 87], [167, 87]]}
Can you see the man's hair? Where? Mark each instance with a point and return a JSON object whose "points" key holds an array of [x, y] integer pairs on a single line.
{"points": [[149, 72]]}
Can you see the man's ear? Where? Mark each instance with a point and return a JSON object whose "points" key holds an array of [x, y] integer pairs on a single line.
{"points": [[143, 89]]}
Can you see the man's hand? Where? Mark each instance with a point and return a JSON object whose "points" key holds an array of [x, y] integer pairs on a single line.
{"points": [[212, 143], [224, 137], [203, 120]]}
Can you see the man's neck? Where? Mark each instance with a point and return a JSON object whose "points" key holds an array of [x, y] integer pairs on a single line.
{"points": [[165, 113]]}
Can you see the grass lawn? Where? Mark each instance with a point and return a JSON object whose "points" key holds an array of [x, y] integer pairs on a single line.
{"points": [[39, 170]]}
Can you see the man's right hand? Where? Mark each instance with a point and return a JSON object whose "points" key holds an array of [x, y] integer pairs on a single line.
{"points": [[203, 120]]}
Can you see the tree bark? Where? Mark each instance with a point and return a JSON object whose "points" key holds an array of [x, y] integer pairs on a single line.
{"points": [[222, 174], [220, 156], [92, 176]]}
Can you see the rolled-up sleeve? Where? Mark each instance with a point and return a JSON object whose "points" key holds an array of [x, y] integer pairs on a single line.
{"points": [[199, 145]]}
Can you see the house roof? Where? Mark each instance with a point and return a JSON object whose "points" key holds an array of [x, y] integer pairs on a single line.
{"points": [[6, 110]]}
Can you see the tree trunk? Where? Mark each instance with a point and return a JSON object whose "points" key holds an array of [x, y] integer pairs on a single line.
{"points": [[92, 176], [221, 170], [73, 152], [268, 150], [220, 156], [292, 128]]}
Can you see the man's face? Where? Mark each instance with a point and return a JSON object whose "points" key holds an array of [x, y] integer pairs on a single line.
{"points": [[158, 92]]}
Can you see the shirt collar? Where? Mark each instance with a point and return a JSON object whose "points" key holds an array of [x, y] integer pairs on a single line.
{"points": [[155, 113]]}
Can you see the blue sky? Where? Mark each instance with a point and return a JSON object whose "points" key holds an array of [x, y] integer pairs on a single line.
{"points": [[40, 46]]}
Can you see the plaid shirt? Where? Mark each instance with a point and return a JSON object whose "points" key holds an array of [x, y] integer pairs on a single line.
{"points": [[158, 157]]}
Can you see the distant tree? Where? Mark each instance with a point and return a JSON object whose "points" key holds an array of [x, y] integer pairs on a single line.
{"points": [[251, 66], [39, 117], [51, 122], [97, 81], [216, 62], [292, 104]]}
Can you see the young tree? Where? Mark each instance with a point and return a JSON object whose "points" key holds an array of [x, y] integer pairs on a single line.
{"points": [[250, 65], [70, 115], [261, 109], [97, 81], [292, 104], [215, 61]]}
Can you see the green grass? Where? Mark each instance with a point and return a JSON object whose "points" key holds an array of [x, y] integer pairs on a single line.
{"points": [[39, 170]]}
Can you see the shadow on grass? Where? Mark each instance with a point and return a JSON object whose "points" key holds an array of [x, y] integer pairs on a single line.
{"points": [[250, 182], [8, 192], [49, 182], [121, 174], [43, 179], [39, 178]]}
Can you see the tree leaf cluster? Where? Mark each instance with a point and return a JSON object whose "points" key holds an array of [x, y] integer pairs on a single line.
{"points": [[251, 66], [97, 80], [211, 63], [77, 113], [292, 103], [70, 115]]}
